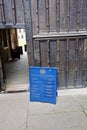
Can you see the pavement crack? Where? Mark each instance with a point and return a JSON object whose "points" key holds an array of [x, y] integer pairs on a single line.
{"points": [[83, 111], [21, 125], [27, 117]]}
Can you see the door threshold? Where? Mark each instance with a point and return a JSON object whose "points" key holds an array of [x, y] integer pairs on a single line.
{"points": [[17, 88]]}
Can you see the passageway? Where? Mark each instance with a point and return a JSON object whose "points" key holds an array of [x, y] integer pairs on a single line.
{"points": [[17, 74]]}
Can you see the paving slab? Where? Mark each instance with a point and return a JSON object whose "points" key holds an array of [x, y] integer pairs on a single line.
{"points": [[13, 111], [37, 108], [82, 100], [70, 120], [18, 113], [74, 128], [42, 122], [66, 104]]}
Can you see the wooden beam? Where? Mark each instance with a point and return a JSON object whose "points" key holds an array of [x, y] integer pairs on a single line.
{"points": [[2, 70], [9, 26], [61, 34], [29, 33]]}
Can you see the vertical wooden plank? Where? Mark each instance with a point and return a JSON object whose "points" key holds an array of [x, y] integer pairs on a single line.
{"points": [[35, 23], [83, 14], [58, 15], [37, 16], [67, 65], [78, 15], [73, 14], [47, 14], [29, 34], [44, 47], [48, 52], [72, 79], [85, 64], [62, 67], [80, 62], [2, 58], [76, 61], [36, 53], [63, 15], [53, 52], [19, 11], [85, 48], [52, 15], [3, 19], [58, 58], [58, 53], [80, 67], [14, 11], [42, 16], [8, 11], [68, 16]]}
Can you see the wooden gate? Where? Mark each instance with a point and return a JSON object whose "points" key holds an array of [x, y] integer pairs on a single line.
{"points": [[11, 16], [60, 39], [56, 34]]}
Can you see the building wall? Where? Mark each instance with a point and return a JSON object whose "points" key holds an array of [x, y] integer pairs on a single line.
{"points": [[21, 37]]}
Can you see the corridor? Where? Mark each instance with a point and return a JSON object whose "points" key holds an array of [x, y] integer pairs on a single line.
{"points": [[17, 74]]}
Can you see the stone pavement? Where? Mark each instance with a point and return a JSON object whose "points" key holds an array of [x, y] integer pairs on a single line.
{"points": [[70, 112]]}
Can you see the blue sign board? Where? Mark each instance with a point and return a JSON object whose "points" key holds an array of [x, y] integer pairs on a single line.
{"points": [[43, 84]]}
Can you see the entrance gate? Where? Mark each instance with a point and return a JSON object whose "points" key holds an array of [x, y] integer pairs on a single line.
{"points": [[56, 34]]}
